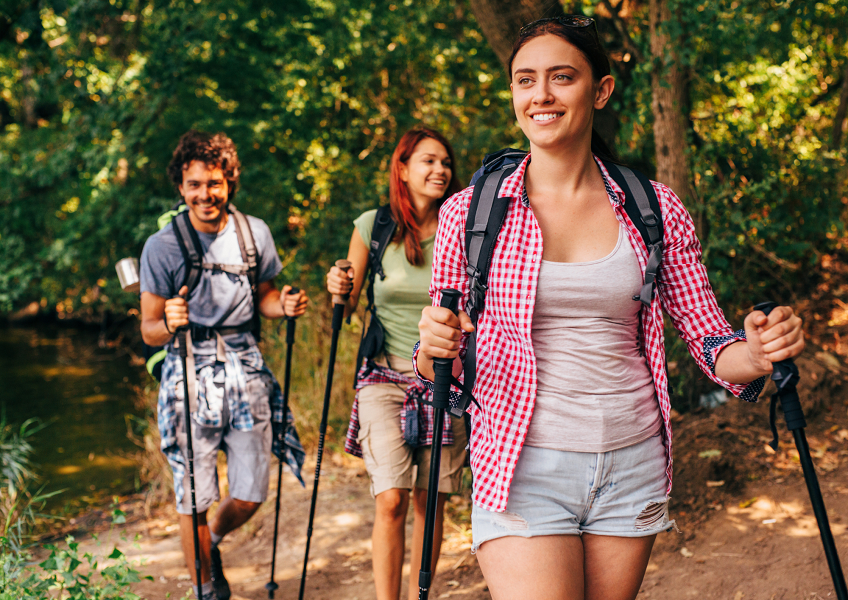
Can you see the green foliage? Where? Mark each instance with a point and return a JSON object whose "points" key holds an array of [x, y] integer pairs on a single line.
{"points": [[70, 575], [18, 504], [316, 93], [65, 573]]}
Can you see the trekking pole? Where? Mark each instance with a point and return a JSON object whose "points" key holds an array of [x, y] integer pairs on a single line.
{"points": [[441, 402], [182, 338], [338, 316], [271, 586], [785, 377]]}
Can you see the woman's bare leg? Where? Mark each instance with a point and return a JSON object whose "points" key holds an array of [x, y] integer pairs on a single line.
{"points": [[542, 568], [387, 541], [419, 503], [614, 567]]}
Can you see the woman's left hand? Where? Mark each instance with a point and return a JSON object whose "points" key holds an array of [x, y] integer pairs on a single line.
{"points": [[773, 338]]}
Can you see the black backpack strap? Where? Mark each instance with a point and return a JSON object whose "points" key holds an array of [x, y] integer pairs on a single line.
{"points": [[486, 215], [190, 247], [381, 235], [497, 160], [643, 208], [250, 256]]}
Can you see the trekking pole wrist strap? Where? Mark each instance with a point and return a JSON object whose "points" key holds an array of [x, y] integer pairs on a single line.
{"points": [[165, 320]]}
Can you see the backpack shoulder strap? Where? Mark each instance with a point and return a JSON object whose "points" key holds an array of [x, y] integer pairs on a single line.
{"points": [[381, 234], [190, 247], [247, 245], [485, 216], [643, 208], [250, 256]]}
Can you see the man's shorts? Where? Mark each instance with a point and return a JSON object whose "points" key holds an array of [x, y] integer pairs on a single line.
{"points": [[247, 452], [620, 493], [391, 462]]}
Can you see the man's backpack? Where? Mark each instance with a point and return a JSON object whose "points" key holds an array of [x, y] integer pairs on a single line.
{"points": [[486, 215], [373, 337], [192, 253]]}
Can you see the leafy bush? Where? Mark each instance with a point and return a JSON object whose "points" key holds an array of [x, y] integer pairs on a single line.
{"points": [[65, 574]]}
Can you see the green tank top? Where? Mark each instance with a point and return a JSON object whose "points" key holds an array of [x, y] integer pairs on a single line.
{"points": [[404, 292]]}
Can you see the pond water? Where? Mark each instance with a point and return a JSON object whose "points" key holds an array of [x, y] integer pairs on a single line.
{"points": [[87, 398]]}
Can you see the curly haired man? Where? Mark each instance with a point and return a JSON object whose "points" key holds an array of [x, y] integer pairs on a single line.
{"points": [[237, 400]]}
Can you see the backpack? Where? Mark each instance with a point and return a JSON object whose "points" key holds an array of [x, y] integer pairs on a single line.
{"points": [[373, 337], [192, 253], [486, 214]]}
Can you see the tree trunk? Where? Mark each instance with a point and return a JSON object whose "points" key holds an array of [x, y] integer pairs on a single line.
{"points": [[669, 87], [500, 20]]}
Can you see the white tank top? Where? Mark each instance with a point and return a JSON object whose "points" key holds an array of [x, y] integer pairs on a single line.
{"points": [[594, 392]]}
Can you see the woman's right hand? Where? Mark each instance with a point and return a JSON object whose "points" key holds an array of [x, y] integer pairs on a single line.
{"points": [[339, 282], [440, 332]]}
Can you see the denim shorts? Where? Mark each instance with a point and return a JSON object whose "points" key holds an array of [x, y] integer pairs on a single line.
{"points": [[619, 493]]}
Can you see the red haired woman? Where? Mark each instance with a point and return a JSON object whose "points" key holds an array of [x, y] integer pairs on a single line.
{"points": [[421, 180]]}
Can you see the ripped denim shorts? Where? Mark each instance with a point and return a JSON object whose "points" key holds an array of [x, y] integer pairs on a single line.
{"points": [[619, 493]]}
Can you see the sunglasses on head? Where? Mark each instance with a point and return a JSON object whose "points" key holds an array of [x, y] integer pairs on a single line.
{"points": [[573, 21]]}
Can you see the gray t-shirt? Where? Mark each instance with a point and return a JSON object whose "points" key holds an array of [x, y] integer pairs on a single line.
{"points": [[220, 299]]}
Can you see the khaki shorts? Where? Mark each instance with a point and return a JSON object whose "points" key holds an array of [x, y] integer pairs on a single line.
{"points": [[390, 461]]}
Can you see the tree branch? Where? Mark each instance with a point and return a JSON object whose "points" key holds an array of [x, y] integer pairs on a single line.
{"points": [[621, 26]]}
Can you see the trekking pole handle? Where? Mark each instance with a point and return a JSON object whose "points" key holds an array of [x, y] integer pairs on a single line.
{"points": [[782, 367], [292, 292], [785, 376], [443, 367], [290, 321], [345, 265], [450, 299], [766, 307]]}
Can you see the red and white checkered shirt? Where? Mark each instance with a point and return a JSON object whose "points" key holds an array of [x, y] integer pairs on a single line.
{"points": [[506, 365]]}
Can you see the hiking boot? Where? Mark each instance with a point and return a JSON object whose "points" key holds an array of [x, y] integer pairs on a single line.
{"points": [[219, 582]]}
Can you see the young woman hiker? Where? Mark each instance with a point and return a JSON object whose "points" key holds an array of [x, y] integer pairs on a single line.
{"points": [[421, 178], [571, 442]]}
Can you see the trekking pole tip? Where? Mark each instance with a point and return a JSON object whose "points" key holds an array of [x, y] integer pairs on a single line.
{"points": [[271, 587]]}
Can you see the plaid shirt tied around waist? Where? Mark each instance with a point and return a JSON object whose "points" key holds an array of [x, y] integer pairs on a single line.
{"points": [[217, 382], [506, 364], [416, 416]]}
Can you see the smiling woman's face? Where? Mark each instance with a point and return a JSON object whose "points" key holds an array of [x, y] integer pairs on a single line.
{"points": [[554, 93], [428, 171]]}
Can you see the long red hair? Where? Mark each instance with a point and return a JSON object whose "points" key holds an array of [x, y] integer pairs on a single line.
{"points": [[403, 210]]}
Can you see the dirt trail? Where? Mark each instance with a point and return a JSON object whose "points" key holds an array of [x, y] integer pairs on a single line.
{"points": [[340, 554], [748, 532], [769, 550]]}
